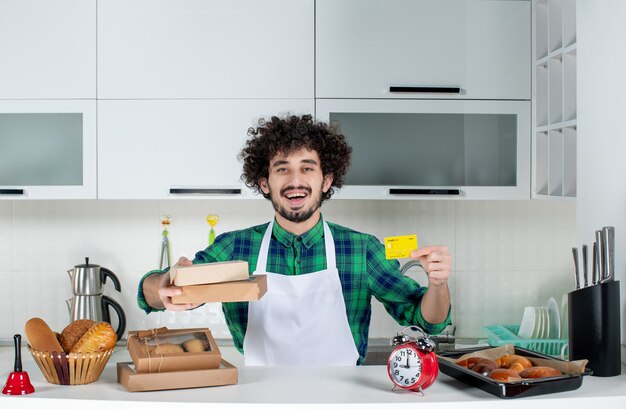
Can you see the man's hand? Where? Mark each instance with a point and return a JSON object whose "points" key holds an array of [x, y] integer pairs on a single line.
{"points": [[436, 261], [158, 291]]}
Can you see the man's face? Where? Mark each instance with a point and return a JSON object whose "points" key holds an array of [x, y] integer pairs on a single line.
{"points": [[295, 184]]}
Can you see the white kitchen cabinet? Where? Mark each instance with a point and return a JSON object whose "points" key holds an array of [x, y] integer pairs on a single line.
{"points": [[48, 149], [161, 149], [205, 49], [47, 49], [554, 100], [462, 49], [433, 149]]}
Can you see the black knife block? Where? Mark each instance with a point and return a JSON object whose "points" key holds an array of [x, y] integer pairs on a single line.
{"points": [[594, 327]]}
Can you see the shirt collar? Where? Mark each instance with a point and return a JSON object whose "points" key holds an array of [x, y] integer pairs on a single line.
{"points": [[308, 238]]}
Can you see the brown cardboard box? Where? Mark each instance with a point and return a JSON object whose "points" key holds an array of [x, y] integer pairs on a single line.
{"points": [[209, 273], [226, 374], [233, 291], [140, 344]]}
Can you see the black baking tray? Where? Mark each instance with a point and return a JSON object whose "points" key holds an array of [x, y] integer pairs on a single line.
{"points": [[509, 390]]}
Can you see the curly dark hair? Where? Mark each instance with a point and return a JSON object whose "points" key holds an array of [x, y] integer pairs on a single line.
{"points": [[288, 134]]}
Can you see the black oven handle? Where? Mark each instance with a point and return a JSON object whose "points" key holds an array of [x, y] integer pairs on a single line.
{"points": [[443, 192], [429, 90], [12, 192], [204, 191]]}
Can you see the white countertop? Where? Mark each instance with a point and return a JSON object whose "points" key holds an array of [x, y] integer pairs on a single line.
{"points": [[310, 387]]}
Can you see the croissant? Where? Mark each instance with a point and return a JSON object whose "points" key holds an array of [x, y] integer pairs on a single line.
{"points": [[514, 362], [468, 363], [540, 372], [100, 337], [505, 375]]}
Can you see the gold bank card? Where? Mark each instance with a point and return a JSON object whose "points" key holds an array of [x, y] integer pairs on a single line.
{"points": [[400, 246]]}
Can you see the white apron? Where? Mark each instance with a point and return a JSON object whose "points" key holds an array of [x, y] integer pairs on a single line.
{"points": [[301, 320]]}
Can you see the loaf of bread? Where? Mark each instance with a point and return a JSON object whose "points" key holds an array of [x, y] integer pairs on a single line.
{"points": [[167, 348], [73, 332], [195, 345], [100, 337], [540, 372], [41, 337]]}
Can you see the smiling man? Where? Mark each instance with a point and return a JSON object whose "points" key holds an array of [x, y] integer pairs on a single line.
{"points": [[321, 276]]}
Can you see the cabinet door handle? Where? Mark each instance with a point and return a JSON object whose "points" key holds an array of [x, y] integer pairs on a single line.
{"points": [[202, 191], [436, 90], [447, 192], [11, 191]]}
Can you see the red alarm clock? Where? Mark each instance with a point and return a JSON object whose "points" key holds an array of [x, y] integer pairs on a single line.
{"points": [[413, 363]]}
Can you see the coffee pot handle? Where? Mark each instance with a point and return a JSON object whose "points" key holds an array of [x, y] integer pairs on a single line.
{"points": [[106, 302], [104, 273]]}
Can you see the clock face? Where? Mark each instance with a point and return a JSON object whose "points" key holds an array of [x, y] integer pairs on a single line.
{"points": [[405, 367]]}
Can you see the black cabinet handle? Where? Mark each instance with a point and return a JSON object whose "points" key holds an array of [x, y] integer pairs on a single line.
{"points": [[11, 191], [448, 192], [436, 90], [201, 191]]}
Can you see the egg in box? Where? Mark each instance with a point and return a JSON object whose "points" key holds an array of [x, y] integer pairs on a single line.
{"points": [[169, 350]]}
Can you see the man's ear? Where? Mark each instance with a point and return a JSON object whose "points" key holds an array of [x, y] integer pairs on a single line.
{"points": [[328, 181], [264, 186]]}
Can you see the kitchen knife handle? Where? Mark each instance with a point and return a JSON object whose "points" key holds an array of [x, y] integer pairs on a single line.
{"points": [[11, 191], [601, 265], [608, 237], [430, 90], [575, 254], [202, 191], [449, 192], [585, 274], [594, 264]]}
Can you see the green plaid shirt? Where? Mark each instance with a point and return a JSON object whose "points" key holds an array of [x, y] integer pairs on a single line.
{"points": [[363, 269]]}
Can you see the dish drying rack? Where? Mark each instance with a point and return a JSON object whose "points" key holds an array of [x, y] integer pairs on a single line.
{"points": [[498, 335]]}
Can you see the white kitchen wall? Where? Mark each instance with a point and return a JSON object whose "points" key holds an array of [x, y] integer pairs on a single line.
{"points": [[507, 254], [601, 99]]}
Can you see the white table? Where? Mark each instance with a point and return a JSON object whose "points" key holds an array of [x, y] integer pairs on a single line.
{"points": [[307, 387]]}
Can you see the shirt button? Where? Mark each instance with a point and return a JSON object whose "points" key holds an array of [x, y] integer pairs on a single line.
{"points": [[298, 261]]}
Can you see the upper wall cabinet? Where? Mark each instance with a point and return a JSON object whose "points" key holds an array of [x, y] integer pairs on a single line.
{"points": [[48, 149], [205, 49], [466, 49], [47, 49], [161, 149]]}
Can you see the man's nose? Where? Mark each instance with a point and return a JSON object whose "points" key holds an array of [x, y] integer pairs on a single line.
{"points": [[296, 178]]}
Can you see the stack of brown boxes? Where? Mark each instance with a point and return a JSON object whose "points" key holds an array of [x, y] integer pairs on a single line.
{"points": [[228, 281], [174, 359], [189, 358]]}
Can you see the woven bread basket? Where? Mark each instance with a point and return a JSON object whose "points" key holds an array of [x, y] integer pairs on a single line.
{"points": [[73, 368]]}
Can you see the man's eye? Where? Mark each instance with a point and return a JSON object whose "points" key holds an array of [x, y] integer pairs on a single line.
{"points": [[281, 170]]}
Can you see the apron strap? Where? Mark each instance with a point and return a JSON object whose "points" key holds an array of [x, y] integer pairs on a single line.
{"points": [[331, 261], [261, 262]]}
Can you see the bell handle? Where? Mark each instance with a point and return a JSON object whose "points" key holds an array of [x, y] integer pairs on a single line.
{"points": [[17, 339], [415, 328]]}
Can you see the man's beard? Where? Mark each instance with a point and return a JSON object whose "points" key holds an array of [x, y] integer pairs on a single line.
{"points": [[297, 216]]}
